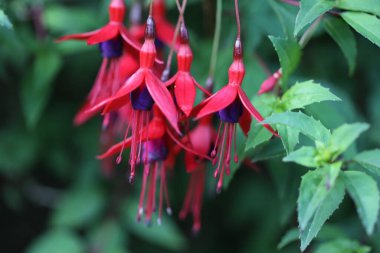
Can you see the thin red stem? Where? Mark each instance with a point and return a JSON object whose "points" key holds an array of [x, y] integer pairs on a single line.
{"points": [[237, 18]]}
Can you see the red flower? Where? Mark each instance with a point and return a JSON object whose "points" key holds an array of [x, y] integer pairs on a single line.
{"points": [[201, 139], [119, 51], [270, 82], [233, 107], [184, 82], [113, 30], [157, 146]]}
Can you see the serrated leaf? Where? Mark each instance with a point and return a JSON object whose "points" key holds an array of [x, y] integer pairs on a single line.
{"points": [[370, 160], [289, 137], [78, 208], [315, 186], [325, 209], [290, 236], [369, 6], [37, 85], [309, 11], [342, 245], [302, 123], [303, 156], [365, 24], [344, 37], [363, 190], [4, 20], [289, 54], [306, 93], [345, 135], [57, 241]]}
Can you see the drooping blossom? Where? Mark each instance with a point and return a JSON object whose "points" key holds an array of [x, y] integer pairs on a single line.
{"points": [[233, 106], [201, 139], [142, 90], [158, 142], [270, 82], [119, 51], [183, 82]]}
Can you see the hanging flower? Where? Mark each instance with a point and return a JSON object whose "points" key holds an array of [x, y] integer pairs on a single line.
{"points": [[157, 142], [142, 90], [119, 51], [233, 106], [201, 139], [270, 82], [183, 82]]}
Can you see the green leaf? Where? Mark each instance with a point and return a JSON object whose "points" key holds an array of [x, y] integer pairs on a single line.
{"points": [[302, 123], [325, 209], [79, 208], [37, 85], [303, 156], [306, 93], [257, 135], [370, 160], [363, 190], [289, 137], [108, 237], [315, 187], [342, 245], [57, 241], [289, 54], [365, 24], [370, 6], [291, 236], [345, 135], [168, 236], [286, 18], [309, 11], [4, 21], [344, 37]]}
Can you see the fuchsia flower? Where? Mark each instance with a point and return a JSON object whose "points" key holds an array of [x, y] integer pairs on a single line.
{"points": [[233, 106], [157, 146], [201, 139], [119, 51], [141, 91], [184, 82], [270, 82]]}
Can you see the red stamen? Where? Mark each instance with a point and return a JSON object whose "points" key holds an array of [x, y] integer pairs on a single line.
{"points": [[142, 194]]}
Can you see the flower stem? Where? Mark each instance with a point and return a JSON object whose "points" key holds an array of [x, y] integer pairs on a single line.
{"points": [[181, 9], [237, 18], [215, 46], [309, 32]]}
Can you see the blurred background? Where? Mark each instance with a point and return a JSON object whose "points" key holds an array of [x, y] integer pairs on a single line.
{"points": [[53, 195]]}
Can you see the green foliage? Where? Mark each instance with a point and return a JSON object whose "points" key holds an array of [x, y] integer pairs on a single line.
{"points": [[305, 93], [301, 122], [370, 6], [78, 208], [37, 85], [57, 241], [365, 193], [4, 21], [365, 24], [344, 37], [323, 212], [289, 54], [342, 245], [309, 11], [369, 160]]}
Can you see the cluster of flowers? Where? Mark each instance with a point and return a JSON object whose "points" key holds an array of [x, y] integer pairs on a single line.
{"points": [[129, 93]]}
